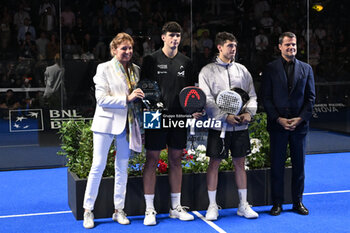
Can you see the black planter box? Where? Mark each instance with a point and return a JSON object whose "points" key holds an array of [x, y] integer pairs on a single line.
{"points": [[227, 194], [134, 201], [193, 194]]}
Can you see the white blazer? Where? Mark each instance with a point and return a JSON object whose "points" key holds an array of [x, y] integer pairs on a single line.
{"points": [[111, 93]]}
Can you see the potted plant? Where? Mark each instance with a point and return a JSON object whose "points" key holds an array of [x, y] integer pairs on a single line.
{"points": [[77, 146]]}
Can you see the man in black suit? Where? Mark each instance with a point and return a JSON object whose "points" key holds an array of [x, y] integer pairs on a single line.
{"points": [[288, 98]]}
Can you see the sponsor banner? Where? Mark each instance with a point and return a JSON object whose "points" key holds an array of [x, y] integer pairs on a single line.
{"points": [[327, 108], [26, 120]]}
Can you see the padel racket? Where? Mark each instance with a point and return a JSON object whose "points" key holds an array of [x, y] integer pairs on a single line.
{"points": [[230, 102], [244, 95], [192, 99]]}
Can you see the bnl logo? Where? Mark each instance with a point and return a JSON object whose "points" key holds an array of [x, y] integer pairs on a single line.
{"points": [[151, 120]]}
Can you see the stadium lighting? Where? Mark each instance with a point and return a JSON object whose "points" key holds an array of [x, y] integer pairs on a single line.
{"points": [[317, 7]]}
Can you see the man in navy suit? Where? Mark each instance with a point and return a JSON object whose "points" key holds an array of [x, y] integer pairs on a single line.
{"points": [[288, 98]]}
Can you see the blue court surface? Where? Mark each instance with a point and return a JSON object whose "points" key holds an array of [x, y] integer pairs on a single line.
{"points": [[36, 201]]}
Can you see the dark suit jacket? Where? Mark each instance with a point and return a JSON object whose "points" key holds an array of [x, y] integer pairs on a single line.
{"points": [[279, 103]]}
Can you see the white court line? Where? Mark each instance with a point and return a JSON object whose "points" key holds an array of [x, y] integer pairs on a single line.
{"points": [[195, 212], [16, 146], [210, 223], [330, 192], [217, 228], [36, 214]]}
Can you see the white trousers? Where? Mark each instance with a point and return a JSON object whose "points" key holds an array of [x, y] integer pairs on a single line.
{"points": [[102, 143]]}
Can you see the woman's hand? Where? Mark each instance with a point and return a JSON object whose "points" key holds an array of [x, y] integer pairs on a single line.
{"points": [[137, 93]]}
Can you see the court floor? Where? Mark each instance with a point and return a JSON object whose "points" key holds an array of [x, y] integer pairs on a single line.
{"points": [[36, 201]]}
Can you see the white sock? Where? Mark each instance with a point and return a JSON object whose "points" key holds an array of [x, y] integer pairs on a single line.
{"points": [[175, 199], [212, 197], [149, 198], [242, 193]]}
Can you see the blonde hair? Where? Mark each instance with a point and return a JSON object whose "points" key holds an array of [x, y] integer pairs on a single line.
{"points": [[118, 39]]}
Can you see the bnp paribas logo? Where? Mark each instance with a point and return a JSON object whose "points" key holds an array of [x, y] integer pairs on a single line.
{"points": [[151, 119], [26, 120]]}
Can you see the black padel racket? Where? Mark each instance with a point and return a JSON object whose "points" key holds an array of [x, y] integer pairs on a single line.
{"points": [[192, 99]]}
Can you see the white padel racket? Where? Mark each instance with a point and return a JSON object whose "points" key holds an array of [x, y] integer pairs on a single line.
{"points": [[230, 102]]}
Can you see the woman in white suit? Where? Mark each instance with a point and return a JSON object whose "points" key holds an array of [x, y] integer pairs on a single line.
{"points": [[115, 117]]}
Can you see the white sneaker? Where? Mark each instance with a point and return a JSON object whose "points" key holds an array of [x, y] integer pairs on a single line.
{"points": [[246, 211], [150, 217], [212, 212], [88, 220], [180, 213], [120, 217]]}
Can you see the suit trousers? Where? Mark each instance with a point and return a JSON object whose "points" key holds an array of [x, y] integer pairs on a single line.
{"points": [[102, 142], [278, 146]]}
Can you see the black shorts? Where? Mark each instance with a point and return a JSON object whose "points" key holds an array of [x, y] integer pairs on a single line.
{"points": [[237, 142], [158, 139]]}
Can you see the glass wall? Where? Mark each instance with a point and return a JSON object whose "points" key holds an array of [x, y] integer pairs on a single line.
{"points": [[50, 50], [329, 57]]}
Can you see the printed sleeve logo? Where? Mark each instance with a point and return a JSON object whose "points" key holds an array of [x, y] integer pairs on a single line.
{"points": [[151, 120]]}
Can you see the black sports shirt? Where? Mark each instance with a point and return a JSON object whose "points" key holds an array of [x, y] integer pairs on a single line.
{"points": [[172, 74]]}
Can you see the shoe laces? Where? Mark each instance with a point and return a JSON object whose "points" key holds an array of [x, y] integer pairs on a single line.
{"points": [[246, 206], [88, 214], [180, 208], [151, 212], [121, 212], [216, 206]]}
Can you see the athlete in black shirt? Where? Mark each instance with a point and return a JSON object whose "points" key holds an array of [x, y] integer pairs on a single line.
{"points": [[173, 71]]}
